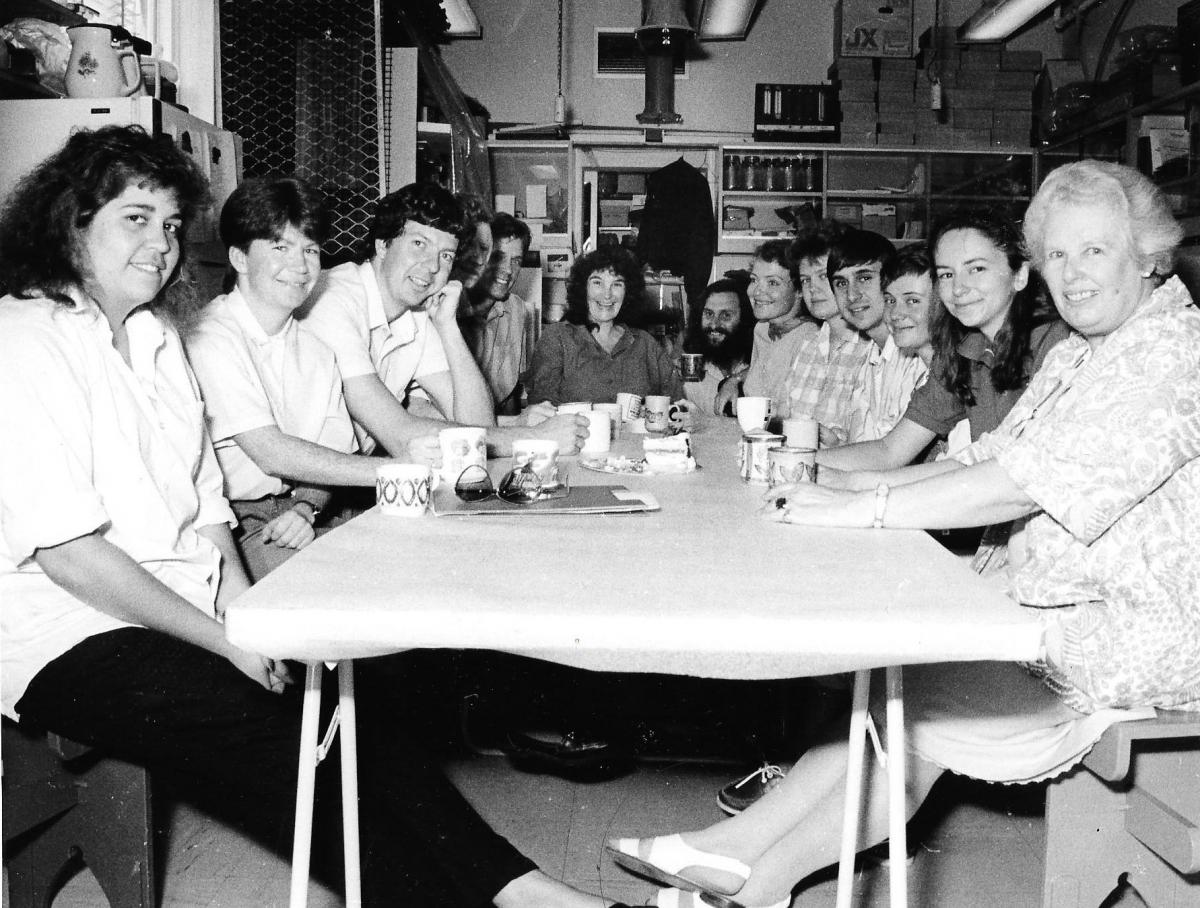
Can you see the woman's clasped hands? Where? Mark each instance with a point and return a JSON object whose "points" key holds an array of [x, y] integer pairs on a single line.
{"points": [[820, 505]]}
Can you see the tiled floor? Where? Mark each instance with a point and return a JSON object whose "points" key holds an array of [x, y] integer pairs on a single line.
{"points": [[983, 848]]}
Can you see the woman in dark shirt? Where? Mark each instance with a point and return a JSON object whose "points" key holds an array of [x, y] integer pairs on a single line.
{"points": [[987, 347], [597, 353]]}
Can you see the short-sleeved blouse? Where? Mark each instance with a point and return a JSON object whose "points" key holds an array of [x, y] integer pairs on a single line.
{"points": [[569, 365], [939, 409], [89, 444]]}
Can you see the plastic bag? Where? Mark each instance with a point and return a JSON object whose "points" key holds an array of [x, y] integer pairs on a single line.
{"points": [[50, 45]]}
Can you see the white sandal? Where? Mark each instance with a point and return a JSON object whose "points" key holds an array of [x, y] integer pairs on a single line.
{"points": [[667, 858]]}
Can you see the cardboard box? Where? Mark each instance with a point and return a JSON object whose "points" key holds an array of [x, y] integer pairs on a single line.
{"points": [[1021, 60], [852, 68], [971, 118], [880, 218], [857, 91], [847, 213], [874, 28]]}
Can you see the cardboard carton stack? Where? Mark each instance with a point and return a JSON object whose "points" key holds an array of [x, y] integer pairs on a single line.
{"points": [[858, 87], [898, 101], [987, 93]]}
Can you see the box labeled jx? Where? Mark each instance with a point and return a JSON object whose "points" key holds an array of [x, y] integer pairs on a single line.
{"points": [[874, 28]]}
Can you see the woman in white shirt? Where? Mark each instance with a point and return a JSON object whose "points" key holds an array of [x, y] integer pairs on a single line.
{"points": [[116, 557]]}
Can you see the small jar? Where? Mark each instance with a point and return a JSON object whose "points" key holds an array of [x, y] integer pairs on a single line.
{"points": [[732, 163]]}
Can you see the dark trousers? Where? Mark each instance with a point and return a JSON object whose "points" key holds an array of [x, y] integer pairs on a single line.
{"points": [[231, 747]]}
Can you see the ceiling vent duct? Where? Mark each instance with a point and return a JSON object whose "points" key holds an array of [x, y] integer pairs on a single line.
{"points": [[663, 35]]}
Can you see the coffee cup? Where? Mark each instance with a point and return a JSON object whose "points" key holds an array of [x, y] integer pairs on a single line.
{"points": [[801, 432], [658, 411], [402, 489], [462, 447], [540, 455], [631, 406], [753, 413], [599, 432]]}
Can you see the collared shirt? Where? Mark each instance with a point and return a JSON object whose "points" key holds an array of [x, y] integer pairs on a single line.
{"points": [[570, 365], [346, 312], [882, 390], [1107, 443], [771, 360], [251, 380], [939, 410], [822, 377], [91, 444], [498, 345]]}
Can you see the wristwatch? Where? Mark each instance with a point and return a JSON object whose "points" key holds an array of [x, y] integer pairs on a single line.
{"points": [[881, 500], [316, 511]]}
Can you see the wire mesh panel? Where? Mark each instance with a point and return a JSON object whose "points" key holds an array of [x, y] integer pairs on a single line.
{"points": [[298, 85]]}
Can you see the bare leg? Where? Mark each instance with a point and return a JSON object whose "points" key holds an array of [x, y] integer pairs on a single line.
{"points": [[536, 890], [794, 829]]}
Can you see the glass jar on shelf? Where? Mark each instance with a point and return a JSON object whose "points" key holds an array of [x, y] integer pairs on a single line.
{"points": [[758, 173], [732, 164], [790, 174]]}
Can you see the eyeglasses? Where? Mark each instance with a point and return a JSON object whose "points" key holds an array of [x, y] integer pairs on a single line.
{"points": [[518, 486]]}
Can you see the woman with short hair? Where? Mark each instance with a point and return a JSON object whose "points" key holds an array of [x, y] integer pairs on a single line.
{"points": [[1099, 463]]}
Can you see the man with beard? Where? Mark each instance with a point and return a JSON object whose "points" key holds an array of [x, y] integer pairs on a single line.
{"points": [[725, 335], [496, 328]]}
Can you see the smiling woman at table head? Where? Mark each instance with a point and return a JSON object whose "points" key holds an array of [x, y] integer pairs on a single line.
{"points": [[1100, 461]]}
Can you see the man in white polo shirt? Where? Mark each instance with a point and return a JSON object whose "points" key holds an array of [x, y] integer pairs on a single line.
{"points": [[391, 322]]}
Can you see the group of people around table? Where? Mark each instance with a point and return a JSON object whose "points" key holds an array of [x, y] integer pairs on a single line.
{"points": [[158, 453]]}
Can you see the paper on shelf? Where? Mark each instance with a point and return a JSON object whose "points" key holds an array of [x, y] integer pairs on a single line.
{"points": [[535, 200], [506, 202]]}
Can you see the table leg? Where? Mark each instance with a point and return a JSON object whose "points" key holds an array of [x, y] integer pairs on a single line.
{"points": [[897, 808], [306, 785], [854, 772], [349, 753]]}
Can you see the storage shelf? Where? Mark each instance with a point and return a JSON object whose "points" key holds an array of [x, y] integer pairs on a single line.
{"points": [[853, 184]]}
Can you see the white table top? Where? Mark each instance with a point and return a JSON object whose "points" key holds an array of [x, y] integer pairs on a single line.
{"points": [[705, 587]]}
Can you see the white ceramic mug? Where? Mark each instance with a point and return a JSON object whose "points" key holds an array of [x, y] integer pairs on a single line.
{"points": [[402, 489], [801, 432], [599, 432], [540, 453], [658, 411], [753, 412], [462, 447]]}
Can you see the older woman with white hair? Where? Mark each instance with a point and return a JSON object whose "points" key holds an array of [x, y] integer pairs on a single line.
{"points": [[1098, 465]]}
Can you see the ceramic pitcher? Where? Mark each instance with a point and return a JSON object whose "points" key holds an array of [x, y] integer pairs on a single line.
{"points": [[101, 66]]}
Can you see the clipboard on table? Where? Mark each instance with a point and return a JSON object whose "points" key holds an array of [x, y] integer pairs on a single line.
{"points": [[582, 500]]}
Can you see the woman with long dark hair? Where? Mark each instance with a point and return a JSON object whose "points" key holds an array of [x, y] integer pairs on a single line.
{"points": [[987, 345], [597, 352]]}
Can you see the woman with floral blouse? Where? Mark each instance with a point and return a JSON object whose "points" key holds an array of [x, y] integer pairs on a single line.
{"points": [[1098, 466]]}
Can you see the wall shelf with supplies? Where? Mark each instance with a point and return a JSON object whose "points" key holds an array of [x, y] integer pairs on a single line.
{"points": [[771, 191]]}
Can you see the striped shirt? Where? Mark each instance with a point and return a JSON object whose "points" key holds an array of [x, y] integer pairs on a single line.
{"points": [[822, 379]]}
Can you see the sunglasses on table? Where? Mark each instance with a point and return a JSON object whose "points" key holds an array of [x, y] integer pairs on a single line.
{"points": [[518, 486]]}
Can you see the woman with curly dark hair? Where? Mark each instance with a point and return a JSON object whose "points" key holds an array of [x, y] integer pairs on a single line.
{"points": [[597, 352], [116, 557], [987, 345]]}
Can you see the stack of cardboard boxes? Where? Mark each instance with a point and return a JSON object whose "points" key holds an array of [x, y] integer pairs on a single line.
{"points": [[858, 89], [986, 93]]}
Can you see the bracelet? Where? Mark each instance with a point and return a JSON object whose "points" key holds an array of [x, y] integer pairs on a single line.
{"points": [[881, 500], [316, 511]]}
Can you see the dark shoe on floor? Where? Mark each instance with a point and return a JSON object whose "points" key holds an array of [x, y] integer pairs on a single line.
{"points": [[570, 754], [740, 794]]}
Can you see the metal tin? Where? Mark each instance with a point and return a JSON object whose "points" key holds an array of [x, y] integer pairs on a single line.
{"points": [[788, 464], [753, 462], [691, 366]]}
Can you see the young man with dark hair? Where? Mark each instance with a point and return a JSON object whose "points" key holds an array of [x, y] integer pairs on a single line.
{"points": [[497, 327]]}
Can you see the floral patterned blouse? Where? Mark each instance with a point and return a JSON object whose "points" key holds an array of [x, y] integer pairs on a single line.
{"points": [[1107, 443]]}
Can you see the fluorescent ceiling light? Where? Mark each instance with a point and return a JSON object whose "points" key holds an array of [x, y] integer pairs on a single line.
{"points": [[997, 19], [463, 21], [718, 19]]}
